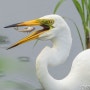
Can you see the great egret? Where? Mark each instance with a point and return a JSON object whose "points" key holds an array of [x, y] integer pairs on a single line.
{"points": [[56, 29]]}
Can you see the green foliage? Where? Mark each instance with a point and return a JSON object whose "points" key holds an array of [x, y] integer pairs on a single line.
{"points": [[57, 6], [79, 8], [77, 32], [12, 72], [83, 9], [35, 43]]}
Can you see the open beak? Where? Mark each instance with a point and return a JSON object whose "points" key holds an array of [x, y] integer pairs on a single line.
{"points": [[33, 35]]}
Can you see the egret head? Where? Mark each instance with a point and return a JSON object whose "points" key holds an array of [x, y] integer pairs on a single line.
{"points": [[50, 24]]}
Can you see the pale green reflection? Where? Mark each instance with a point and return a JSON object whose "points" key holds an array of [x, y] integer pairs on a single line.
{"points": [[17, 75]]}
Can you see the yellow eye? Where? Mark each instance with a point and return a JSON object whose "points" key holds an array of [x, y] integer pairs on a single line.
{"points": [[51, 21]]}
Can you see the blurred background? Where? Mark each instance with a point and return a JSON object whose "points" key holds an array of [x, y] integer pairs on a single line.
{"points": [[17, 65]]}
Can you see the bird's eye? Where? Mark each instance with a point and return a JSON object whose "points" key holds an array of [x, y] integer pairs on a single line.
{"points": [[51, 21]]}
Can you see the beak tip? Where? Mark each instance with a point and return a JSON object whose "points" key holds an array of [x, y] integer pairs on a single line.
{"points": [[13, 25], [6, 27], [8, 48]]}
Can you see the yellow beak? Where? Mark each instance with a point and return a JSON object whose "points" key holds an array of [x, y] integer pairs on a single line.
{"points": [[31, 36], [26, 23]]}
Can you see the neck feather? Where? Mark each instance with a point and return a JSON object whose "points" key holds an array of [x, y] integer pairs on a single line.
{"points": [[53, 56]]}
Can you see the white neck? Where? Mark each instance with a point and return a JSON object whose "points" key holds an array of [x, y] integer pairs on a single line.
{"points": [[53, 56]]}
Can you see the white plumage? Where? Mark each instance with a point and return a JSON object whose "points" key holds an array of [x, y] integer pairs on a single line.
{"points": [[60, 36]]}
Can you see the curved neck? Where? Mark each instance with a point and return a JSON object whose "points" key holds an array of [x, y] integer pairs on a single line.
{"points": [[62, 44], [52, 56], [43, 75]]}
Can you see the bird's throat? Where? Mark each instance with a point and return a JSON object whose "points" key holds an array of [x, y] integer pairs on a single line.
{"points": [[55, 55]]}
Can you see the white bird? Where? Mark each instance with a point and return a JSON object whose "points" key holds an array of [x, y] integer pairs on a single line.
{"points": [[56, 29]]}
